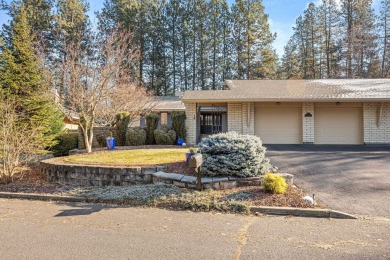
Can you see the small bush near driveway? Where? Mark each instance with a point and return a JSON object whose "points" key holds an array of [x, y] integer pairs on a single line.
{"points": [[274, 184]]}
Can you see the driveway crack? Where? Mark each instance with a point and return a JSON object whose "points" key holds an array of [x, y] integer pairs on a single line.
{"points": [[242, 236]]}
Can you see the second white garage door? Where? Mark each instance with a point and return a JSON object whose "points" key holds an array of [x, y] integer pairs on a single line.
{"points": [[338, 125], [279, 125]]}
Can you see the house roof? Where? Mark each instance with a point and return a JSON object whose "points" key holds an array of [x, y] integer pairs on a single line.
{"points": [[295, 90], [169, 104]]}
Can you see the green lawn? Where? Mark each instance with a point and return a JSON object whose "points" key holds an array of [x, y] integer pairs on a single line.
{"points": [[141, 157]]}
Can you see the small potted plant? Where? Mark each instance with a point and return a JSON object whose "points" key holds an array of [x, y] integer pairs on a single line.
{"points": [[191, 152]]}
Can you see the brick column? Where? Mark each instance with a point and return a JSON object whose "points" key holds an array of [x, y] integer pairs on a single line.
{"points": [[374, 133], [234, 113], [308, 123], [191, 123]]}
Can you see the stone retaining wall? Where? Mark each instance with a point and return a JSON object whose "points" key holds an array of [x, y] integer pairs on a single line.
{"points": [[66, 174], [87, 175], [217, 183]]}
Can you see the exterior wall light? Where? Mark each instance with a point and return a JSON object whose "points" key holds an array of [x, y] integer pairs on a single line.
{"points": [[308, 114]]}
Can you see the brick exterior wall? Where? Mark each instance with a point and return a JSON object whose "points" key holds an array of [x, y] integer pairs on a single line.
{"points": [[235, 123], [308, 123], [374, 134]]}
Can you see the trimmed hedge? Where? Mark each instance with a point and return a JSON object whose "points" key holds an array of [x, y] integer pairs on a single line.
{"points": [[65, 142], [165, 135], [232, 154], [136, 136], [122, 121], [178, 124], [151, 125]]}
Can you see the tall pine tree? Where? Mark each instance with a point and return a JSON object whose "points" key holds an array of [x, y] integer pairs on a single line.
{"points": [[22, 79]]}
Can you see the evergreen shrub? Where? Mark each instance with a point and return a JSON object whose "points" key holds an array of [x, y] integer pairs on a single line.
{"points": [[122, 121], [136, 136], [65, 142], [165, 135], [151, 125], [232, 154], [178, 124], [274, 184]]}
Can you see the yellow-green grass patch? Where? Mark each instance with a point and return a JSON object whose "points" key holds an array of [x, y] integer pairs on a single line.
{"points": [[141, 157]]}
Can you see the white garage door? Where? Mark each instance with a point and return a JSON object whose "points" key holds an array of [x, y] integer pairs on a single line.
{"points": [[335, 125], [279, 125]]}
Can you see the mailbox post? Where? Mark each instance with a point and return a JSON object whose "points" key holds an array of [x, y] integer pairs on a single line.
{"points": [[196, 162]]}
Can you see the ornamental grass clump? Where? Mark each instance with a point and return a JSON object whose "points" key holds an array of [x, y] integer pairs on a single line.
{"points": [[232, 154], [274, 184]]}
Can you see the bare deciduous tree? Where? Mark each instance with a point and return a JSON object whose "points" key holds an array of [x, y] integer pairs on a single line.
{"points": [[100, 83], [19, 141]]}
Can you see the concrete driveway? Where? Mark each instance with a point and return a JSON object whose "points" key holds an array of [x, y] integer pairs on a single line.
{"points": [[354, 179]]}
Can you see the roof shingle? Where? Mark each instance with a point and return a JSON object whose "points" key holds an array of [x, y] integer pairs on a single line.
{"points": [[296, 90]]}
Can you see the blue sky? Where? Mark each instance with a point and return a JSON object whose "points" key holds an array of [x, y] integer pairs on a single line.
{"points": [[282, 15]]}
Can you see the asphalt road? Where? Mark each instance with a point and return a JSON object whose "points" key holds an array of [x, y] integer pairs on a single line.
{"points": [[45, 230], [354, 179]]}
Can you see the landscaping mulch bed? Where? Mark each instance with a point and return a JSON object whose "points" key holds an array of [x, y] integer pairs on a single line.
{"points": [[163, 195], [31, 181], [257, 197]]}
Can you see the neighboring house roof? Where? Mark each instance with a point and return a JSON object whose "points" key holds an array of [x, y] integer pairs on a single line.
{"points": [[166, 104], [296, 90]]}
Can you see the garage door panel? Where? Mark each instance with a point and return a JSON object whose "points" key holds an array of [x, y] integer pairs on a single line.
{"points": [[338, 125], [278, 125]]}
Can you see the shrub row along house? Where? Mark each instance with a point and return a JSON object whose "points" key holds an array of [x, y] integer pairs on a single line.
{"points": [[348, 111]]}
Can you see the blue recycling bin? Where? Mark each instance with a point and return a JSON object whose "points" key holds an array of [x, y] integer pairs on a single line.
{"points": [[111, 142], [180, 141]]}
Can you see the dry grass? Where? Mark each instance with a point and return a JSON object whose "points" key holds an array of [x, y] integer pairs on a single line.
{"points": [[141, 157]]}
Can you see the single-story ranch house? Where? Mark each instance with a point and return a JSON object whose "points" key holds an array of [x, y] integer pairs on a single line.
{"points": [[348, 111]]}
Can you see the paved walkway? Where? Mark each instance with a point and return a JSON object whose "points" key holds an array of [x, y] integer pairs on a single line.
{"points": [[355, 179], [44, 230]]}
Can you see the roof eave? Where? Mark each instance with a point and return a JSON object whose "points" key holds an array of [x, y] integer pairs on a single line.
{"points": [[287, 100]]}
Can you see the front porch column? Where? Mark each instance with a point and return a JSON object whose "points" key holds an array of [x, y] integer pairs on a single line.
{"points": [[191, 123], [308, 122], [234, 112]]}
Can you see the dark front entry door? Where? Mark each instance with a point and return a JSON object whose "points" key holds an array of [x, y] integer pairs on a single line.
{"points": [[211, 122]]}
